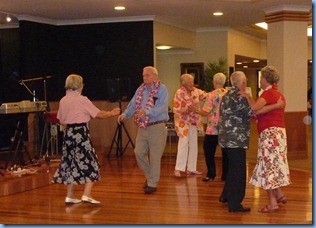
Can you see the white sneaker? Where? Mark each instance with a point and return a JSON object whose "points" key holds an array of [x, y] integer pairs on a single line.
{"points": [[72, 201], [87, 199]]}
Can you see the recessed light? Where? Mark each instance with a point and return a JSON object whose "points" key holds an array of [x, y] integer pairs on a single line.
{"points": [[256, 61], [245, 66], [239, 63], [119, 7], [218, 13]]}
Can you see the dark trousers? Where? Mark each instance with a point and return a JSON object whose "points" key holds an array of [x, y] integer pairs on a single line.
{"points": [[235, 185], [209, 145]]}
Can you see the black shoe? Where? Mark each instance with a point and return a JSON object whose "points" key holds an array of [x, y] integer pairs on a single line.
{"points": [[222, 199], [145, 185], [206, 179], [150, 190], [241, 209]]}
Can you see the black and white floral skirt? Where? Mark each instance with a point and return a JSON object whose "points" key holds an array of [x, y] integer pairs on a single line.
{"points": [[79, 162]]}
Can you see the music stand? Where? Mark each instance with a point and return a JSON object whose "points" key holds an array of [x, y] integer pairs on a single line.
{"points": [[117, 138]]}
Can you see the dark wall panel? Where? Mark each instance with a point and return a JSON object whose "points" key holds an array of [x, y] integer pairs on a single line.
{"points": [[10, 89], [99, 52]]}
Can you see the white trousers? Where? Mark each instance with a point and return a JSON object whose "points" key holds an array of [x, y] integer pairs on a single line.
{"points": [[187, 151]]}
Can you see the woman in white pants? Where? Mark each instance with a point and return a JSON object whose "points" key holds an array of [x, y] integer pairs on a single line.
{"points": [[186, 108]]}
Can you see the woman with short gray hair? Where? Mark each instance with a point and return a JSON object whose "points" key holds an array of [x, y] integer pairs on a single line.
{"points": [[186, 108], [79, 162], [272, 169]]}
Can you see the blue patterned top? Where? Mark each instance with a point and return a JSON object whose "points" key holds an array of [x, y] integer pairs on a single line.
{"points": [[234, 121]]}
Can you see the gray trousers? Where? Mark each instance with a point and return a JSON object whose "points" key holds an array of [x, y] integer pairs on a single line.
{"points": [[150, 145]]}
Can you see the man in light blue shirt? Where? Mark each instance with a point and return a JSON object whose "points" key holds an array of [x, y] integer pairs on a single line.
{"points": [[149, 107]]}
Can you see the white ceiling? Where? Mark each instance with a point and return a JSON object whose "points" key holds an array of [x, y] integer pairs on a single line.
{"points": [[194, 15]]}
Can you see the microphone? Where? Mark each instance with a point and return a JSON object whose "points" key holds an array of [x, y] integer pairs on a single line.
{"points": [[15, 76], [48, 77]]}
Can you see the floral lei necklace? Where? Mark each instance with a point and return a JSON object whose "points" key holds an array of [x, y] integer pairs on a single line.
{"points": [[190, 100], [143, 122]]}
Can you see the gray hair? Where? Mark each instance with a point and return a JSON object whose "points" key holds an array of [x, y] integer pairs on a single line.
{"points": [[185, 78], [152, 70], [271, 74], [237, 78], [73, 82], [219, 78]]}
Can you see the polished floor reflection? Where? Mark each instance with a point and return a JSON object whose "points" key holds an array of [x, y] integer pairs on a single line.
{"points": [[188, 200]]}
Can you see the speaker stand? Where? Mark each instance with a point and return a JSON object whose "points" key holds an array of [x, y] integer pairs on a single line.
{"points": [[117, 139]]}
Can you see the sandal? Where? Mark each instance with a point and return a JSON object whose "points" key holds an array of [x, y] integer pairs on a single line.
{"points": [[194, 172], [269, 208], [177, 174], [282, 199]]}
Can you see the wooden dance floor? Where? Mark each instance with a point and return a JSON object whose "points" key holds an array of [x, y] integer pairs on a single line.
{"points": [[177, 201]]}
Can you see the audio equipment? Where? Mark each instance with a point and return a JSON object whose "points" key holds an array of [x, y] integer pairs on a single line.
{"points": [[23, 107]]}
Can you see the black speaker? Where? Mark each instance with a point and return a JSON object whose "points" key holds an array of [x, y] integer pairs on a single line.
{"points": [[118, 89]]}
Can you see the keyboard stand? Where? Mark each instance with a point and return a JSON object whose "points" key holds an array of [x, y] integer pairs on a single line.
{"points": [[17, 145]]}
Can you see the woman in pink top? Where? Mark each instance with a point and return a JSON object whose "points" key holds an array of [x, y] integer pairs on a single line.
{"points": [[211, 110], [79, 163], [272, 170]]}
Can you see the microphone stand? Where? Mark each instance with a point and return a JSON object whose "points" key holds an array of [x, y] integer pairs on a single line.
{"points": [[37, 132], [22, 82]]}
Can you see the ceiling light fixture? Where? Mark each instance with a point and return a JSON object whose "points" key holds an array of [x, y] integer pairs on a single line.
{"points": [[119, 7], [218, 13], [239, 63], [163, 47], [310, 31], [264, 25], [256, 61]]}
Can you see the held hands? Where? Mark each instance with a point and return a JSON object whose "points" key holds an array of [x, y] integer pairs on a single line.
{"points": [[243, 94], [192, 108], [140, 114], [120, 118], [115, 111], [195, 109]]}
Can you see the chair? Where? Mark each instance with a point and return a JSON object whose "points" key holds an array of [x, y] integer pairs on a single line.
{"points": [[171, 127]]}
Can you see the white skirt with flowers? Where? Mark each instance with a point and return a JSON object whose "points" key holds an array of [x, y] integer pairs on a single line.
{"points": [[272, 169]]}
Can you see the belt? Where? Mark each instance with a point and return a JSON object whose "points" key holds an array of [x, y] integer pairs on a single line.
{"points": [[156, 122], [76, 125]]}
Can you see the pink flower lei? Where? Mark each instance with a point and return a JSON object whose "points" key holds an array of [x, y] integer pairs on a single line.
{"points": [[143, 122]]}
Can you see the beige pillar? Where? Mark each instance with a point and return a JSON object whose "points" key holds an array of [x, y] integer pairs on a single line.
{"points": [[287, 50]]}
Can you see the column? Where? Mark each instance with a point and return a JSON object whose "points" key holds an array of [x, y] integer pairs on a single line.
{"points": [[287, 50]]}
